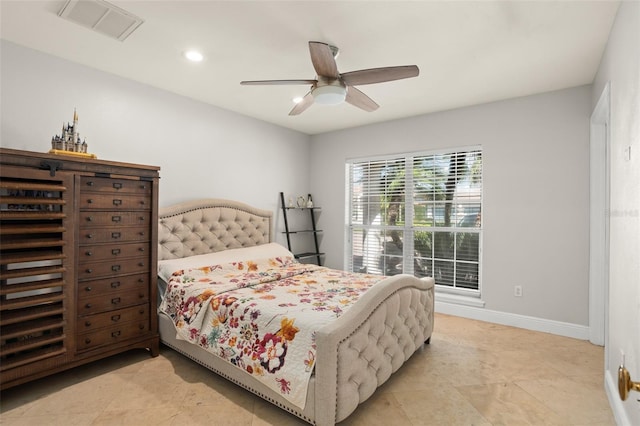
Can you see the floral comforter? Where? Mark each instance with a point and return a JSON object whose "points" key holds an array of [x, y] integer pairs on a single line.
{"points": [[262, 315]]}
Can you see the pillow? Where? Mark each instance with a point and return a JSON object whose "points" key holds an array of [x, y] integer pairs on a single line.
{"points": [[263, 251]]}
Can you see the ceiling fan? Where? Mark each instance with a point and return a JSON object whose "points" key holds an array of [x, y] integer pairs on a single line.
{"points": [[331, 87]]}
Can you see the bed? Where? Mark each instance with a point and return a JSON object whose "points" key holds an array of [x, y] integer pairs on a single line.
{"points": [[352, 354]]}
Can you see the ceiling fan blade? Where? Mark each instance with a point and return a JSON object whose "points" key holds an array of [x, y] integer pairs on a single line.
{"points": [[323, 61], [379, 75], [301, 106], [356, 98], [277, 82]]}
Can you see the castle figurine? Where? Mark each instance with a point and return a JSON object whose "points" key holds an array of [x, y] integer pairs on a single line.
{"points": [[69, 142]]}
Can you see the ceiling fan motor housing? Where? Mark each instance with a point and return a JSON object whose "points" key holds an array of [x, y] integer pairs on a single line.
{"points": [[329, 92]]}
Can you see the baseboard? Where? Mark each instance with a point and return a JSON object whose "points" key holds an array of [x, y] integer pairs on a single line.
{"points": [[611, 389], [515, 320]]}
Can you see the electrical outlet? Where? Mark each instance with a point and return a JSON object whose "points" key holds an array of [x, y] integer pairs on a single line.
{"points": [[517, 291]]}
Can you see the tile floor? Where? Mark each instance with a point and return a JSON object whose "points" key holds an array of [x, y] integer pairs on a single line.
{"points": [[472, 373]]}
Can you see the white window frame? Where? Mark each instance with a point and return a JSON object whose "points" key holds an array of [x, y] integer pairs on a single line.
{"points": [[409, 229]]}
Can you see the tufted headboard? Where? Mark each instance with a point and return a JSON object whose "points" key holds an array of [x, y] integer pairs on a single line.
{"points": [[210, 225]]}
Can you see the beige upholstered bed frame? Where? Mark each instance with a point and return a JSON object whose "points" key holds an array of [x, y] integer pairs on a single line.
{"points": [[355, 354]]}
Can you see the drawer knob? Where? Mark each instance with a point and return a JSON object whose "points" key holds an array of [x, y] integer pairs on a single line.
{"points": [[87, 323], [115, 318], [117, 185], [115, 284], [87, 288], [115, 268], [89, 218], [141, 218], [141, 296], [88, 253], [141, 311], [88, 306], [88, 271], [143, 186], [115, 252], [115, 300], [117, 202], [115, 235], [87, 340], [141, 326], [140, 280], [89, 201], [90, 183], [141, 249], [141, 233], [142, 202], [89, 236], [140, 263], [115, 334], [116, 218]]}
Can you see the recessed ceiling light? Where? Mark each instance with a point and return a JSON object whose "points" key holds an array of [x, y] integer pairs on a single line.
{"points": [[193, 56], [297, 100]]}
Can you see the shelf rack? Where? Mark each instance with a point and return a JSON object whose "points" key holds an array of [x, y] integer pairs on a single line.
{"points": [[314, 230]]}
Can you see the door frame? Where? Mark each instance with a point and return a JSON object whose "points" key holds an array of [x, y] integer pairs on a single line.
{"points": [[599, 181]]}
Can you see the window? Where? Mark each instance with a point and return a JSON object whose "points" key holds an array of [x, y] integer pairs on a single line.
{"points": [[418, 214]]}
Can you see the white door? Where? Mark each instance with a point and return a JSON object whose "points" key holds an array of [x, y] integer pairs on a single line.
{"points": [[614, 272]]}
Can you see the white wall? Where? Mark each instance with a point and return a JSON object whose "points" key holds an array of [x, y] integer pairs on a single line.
{"points": [[621, 67], [203, 151], [536, 193]]}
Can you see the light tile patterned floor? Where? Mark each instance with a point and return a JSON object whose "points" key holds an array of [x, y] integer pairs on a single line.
{"points": [[472, 373]]}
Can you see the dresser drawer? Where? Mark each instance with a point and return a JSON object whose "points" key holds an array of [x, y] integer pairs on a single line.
{"points": [[94, 200], [107, 319], [114, 185], [92, 219], [113, 267], [114, 234], [115, 301], [112, 335], [107, 287], [112, 251]]}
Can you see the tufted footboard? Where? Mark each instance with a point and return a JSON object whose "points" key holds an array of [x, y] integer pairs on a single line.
{"points": [[361, 350]]}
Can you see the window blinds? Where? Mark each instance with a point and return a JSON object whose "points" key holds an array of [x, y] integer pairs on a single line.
{"points": [[418, 214]]}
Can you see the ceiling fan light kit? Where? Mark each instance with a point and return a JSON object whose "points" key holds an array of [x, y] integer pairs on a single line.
{"points": [[329, 95], [332, 88]]}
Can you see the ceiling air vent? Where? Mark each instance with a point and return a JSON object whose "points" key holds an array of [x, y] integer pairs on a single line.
{"points": [[102, 17]]}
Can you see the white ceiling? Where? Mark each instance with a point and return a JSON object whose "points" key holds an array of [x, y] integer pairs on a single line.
{"points": [[468, 52]]}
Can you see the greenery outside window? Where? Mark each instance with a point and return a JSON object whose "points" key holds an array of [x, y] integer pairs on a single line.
{"points": [[419, 214]]}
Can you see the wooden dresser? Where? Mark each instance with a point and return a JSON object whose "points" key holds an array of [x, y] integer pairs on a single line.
{"points": [[78, 255]]}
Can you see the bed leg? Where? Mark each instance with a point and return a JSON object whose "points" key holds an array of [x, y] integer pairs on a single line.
{"points": [[426, 342]]}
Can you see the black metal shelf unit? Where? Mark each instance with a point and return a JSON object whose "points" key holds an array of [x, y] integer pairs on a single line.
{"points": [[314, 230]]}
